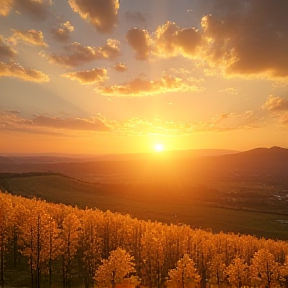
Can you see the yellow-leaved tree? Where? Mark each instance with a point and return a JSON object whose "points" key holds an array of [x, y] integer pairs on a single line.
{"points": [[116, 269], [184, 273]]}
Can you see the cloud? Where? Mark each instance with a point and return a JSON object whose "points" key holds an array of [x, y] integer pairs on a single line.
{"points": [[62, 33], [139, 41], [160, 127], [89, 76], [238, 38], [229, 90], [248, 37], [17, 71], [171, 40], [101, 14], [168, 40], [284, 120], [42, 124], [135, 17], [37, 9], [6, 52], [76, 54], [5, 7], [120, 67], [275, 103], [31, 36], [93, 124], [140, 87]]}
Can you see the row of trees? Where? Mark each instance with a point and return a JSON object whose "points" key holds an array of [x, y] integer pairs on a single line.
{"points": [[54, 241]]}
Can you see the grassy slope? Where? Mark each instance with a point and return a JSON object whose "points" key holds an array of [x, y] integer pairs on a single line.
{"points": [[149, 203]]}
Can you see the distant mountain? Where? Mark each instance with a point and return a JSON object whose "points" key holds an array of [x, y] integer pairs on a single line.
{"points": [[171, 166], [69, 158], [259, 158]]}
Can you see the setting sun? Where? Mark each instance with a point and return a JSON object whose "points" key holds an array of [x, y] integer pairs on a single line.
{"points": [[159, 147]]}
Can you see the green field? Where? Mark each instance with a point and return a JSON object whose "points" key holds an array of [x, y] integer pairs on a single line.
{"points": [[199, 206]]}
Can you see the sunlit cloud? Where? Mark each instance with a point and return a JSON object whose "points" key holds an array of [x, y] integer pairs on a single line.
{"points": [[62, 32], [101, 14], [120, 67], [31, 36], [15, 70], [6, 51], [37, 9], [88, 76], [76, 54], [275, 103], [5, 7], [170, 40], [140, 87]]}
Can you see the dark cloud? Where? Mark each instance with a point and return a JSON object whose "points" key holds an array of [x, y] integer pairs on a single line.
{"points": [[139, 41], [248, 37], [76, 54], [6, 52], [102, 14]]}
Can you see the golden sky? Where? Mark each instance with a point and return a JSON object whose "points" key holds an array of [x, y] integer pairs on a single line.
{"points": [[94, 76]]}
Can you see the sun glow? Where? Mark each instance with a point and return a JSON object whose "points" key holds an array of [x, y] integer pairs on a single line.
{"points": [[159, 147]]}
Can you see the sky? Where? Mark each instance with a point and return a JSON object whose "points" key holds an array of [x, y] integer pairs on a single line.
{"points": [[109, 76]]}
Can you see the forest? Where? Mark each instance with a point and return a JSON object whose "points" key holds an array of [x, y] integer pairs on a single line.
{"points": [[55, 245]]}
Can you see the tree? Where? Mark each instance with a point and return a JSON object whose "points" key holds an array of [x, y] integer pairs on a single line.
{"points": [[237, 273], [115, 269], [184, 272], [264, 268]]}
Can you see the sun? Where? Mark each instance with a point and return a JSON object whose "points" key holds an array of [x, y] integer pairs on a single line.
{"points": [[159, 147]]}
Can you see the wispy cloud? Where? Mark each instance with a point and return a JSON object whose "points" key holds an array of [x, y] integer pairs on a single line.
{"points": [[135, 16], [40, 124], [76, 54], [141, 87], [88, 76]]}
